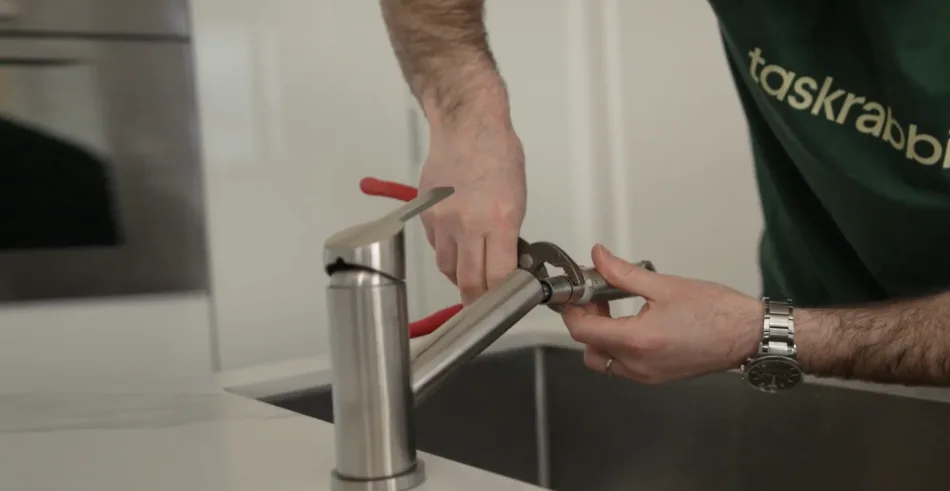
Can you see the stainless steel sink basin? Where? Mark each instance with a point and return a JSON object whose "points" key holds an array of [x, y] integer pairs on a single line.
{"points": [[540, 416]]}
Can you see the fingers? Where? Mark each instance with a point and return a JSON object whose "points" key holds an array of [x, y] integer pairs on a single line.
{"points": [[501, 255], [471, 268], [627, 276], [599, 308], [430, 232], [596, 359], [446, 256], [592, 324], [475, 263]]}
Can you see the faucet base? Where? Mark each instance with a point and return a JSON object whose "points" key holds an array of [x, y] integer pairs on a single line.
{"points": [[401, 482]]}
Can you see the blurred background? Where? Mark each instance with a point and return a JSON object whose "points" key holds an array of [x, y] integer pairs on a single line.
{"points": [[217, 143]]}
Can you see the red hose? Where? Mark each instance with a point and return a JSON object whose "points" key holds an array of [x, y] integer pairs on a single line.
{"points": [[388, 189]]}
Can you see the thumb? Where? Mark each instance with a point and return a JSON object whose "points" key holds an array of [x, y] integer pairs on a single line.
{"points": [[627, 276]]}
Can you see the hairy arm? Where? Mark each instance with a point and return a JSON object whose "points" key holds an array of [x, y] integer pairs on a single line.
{"points": [[442, 48], [905, 342]]}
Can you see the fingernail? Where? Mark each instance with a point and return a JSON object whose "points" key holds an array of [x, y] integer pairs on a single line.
{"points": [[606, 251]]}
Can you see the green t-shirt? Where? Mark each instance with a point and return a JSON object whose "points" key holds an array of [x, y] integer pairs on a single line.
{"points": [[848, 106]]}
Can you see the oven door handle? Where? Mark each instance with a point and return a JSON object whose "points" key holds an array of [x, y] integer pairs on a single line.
{"points": [[40, 52], [31, 62]]}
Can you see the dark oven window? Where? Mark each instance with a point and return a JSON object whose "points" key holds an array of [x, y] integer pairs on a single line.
{"points": [[101, 190], [56, 185]]}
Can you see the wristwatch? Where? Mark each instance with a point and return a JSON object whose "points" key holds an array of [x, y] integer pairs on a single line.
{"points": [[775, 367]]}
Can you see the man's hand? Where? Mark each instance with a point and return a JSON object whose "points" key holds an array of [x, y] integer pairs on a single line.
{"points": [[475, 232], [685, 329], [443, 51], [689, 328]]}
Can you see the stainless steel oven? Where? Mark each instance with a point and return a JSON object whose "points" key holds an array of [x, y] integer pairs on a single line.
{"points": [[101, 190]]}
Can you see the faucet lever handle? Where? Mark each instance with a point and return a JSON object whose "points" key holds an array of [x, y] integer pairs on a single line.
{"points": [[378, 245], [422, 202]]}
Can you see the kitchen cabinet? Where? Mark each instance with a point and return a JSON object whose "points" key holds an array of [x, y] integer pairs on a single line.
{"points": [[103, 262], [69, 346]]}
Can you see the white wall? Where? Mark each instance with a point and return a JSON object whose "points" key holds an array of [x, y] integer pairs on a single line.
{"points": [[623, 145], [688, 198], [299, 100], [632, 132]]}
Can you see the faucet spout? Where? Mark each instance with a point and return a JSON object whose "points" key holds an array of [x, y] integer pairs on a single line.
{"points": [[377, 379], [473, 330], [369, 352]]}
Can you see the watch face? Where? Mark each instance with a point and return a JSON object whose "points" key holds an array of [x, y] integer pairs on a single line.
{"points": [[774, 373]]}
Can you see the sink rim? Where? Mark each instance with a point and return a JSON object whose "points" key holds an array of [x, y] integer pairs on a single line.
{"points": [[564, 400], [314, 378]]}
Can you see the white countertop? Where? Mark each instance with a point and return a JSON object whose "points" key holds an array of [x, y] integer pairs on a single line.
{"points": [[197, 436], [190, 440], [189, 436]]}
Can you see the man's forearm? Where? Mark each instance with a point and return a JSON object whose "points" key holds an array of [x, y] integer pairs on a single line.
{"points": [[905, 342], [442, 48]]}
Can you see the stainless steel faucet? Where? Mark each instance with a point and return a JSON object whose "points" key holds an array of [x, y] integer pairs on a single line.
{"points": [[376, 382]]}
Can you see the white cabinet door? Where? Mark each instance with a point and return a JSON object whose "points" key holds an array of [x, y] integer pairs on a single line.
{"points": [[299, 100], [117, 343]]}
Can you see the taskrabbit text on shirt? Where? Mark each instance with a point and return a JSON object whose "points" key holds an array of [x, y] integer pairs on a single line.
{"points": [[823, 99]]}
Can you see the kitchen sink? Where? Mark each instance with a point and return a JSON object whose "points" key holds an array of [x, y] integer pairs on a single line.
{"points": [[538, 415]]}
